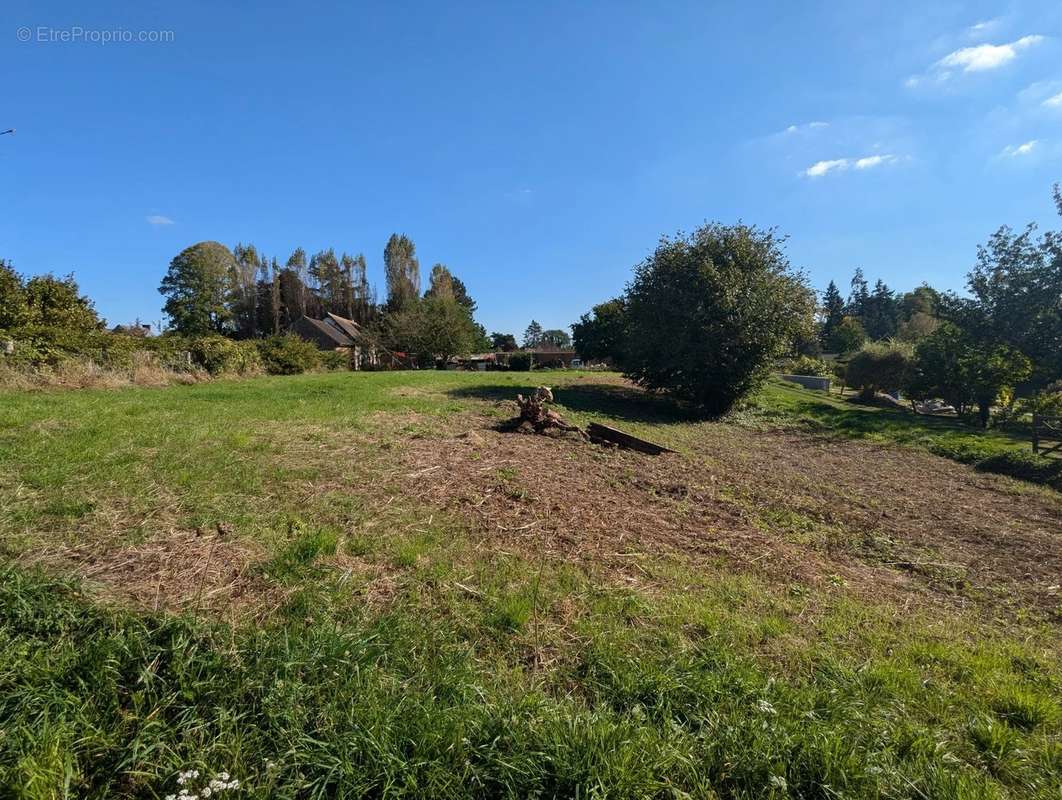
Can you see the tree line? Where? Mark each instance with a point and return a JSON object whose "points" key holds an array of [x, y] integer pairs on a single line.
{"points": [[241, 293], [705, 314]]}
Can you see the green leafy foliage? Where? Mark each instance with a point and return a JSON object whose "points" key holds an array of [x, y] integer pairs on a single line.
{"points": [[708, 313], [218, 355], [601, 334], [196, 287], [432, 327], [847, 337], [287, 355], [880, 367], [505, 342], [520, 362]]}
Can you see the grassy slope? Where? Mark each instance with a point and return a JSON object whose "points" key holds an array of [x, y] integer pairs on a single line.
{"points": [[483, 675]]}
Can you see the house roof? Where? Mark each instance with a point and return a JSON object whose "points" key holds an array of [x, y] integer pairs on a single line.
{"points": [[330, 331], [348, 326], [551, 350]]}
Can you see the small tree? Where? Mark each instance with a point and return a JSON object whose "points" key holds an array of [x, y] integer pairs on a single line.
{"points": [[433, 328], [708, 313], [14, 312], [880, 366], [992, 371], [195, 288], [832, 313], [602, 333], [57, 303], [938, 369], [533, 334], [505, 342], [847, 337], [555, 337]]}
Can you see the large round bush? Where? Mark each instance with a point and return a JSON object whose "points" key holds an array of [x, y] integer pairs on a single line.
{"points": [[707, 314], [288, 355]]}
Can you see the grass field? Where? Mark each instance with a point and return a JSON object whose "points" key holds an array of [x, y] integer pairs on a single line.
{"points": [[353, 585]]}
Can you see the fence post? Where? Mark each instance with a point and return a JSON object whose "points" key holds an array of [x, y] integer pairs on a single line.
{"points": [[1036, 433]]}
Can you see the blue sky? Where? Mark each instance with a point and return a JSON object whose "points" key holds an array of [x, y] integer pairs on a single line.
{"points": [[538, 149]]}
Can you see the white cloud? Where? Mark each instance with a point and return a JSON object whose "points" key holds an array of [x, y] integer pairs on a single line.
{"points": [[820, 168], [1054, 101], [977, 58], [158, 219], [1013, 151], [873, 161], [806, 127], [987, 56], [983, 27]]}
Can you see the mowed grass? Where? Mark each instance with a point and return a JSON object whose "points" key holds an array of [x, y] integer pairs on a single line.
{"points": [[406, 660]]}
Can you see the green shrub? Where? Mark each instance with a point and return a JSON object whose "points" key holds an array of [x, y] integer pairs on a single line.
{"points": [[218, 355], [806, 365], [1047, 403], [879, 366], [1026, 466], [520, 362], [288, 355], [335, 360]]}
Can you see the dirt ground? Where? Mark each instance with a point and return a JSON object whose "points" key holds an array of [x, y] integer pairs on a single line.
{"points": [[188, 571], [795, 507]]}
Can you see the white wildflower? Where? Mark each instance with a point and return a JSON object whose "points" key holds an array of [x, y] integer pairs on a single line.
{"points": [[766, 707]]}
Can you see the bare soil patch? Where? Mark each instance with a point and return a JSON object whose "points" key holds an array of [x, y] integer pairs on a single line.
{"points": [[184, 571], [886, 520]]}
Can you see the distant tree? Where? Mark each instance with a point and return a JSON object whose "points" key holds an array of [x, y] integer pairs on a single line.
{"points": [[880, 367], [327, 276], [358, 294], [243, 290], [462, 296], [298, 298], [709, 312], [880, 312], [847, 337], [992, 370], [14, 312], [432, 328], [57, 303], [858, 294], [917, 327], [961, 368], [601, 334], [402, 271], [441, 282], [1016, 298], [195, 288], [533, 334], [832, 313], [555, 337], [505, 342], [939, 368], [274, 296]]}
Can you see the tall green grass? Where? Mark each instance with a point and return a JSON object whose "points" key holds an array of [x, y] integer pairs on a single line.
{"points": [[98, 703]]}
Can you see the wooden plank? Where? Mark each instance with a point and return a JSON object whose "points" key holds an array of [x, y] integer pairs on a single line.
{"points": [[604, 433], [1044, 431]]}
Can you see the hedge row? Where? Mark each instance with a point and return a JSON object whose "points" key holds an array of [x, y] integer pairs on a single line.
{"points": [[278, 355]]}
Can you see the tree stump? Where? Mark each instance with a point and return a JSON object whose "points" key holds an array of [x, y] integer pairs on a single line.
{"points": [[536, 418]]}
